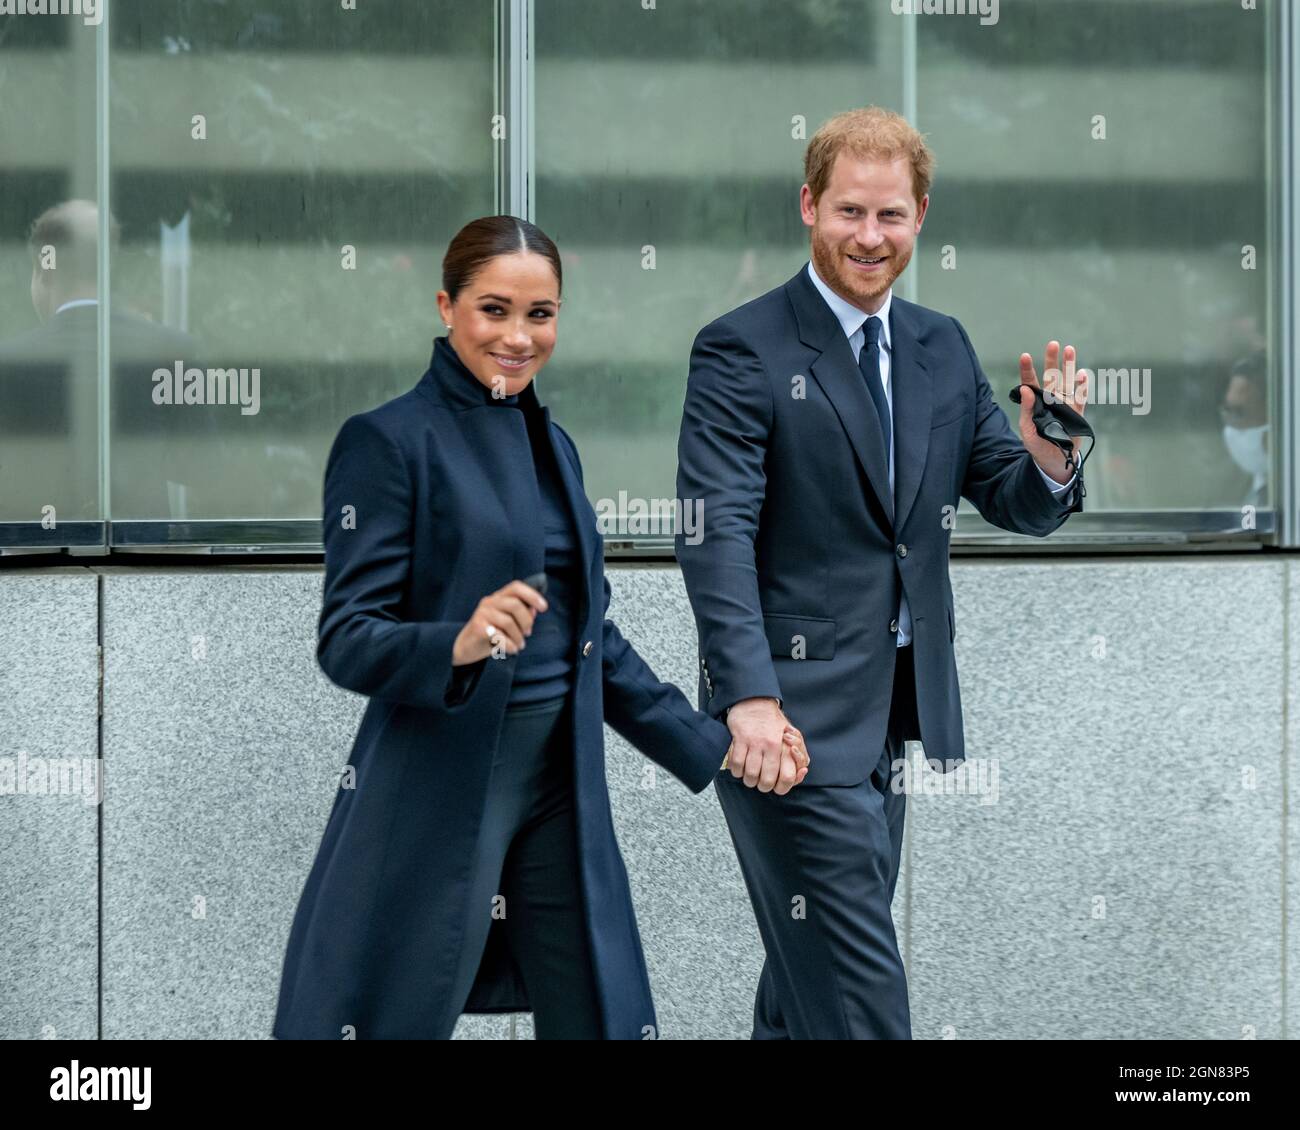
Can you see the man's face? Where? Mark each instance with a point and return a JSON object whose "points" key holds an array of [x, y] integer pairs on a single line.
{"points": [[864, 227]]}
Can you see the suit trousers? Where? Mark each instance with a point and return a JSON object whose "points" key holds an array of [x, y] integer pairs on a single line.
{"points": [[821, 865], [528, 853]]}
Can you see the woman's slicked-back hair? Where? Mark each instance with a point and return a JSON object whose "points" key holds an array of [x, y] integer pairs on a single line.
{"points": [[487, 237]]}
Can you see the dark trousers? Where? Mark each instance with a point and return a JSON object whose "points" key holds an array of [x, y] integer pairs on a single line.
{"points": [[528, 854], [821, 865]]}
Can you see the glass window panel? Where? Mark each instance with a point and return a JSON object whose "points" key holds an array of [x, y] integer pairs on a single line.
{"points": [[675, 129], [669, 155], [1128, 245], [670, 129], [49, 396], [321, 128]]}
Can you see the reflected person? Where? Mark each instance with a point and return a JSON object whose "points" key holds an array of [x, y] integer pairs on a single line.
{"points": [[1244, 412], [49, 394]]}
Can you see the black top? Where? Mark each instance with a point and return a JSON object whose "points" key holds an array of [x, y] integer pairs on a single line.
{"points": [[545, 667]]}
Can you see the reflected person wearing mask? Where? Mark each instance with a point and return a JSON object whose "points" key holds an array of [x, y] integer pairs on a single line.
{"points": [[1244, 412]]}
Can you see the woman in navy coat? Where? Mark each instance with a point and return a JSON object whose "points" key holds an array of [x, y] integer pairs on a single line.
{"points": [[473, 866]]}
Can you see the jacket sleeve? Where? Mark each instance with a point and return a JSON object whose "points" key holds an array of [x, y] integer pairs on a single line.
{"points": [[654, 716], [364, 643], [1002, 480], [657, 717], [721, 448]]}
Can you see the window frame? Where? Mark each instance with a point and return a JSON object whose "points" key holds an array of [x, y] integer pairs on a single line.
{"points": [[514, 191]]}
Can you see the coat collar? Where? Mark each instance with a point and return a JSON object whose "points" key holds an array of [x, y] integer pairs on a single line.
{"points": [[450, 382], [501, 444], [836, 371]]}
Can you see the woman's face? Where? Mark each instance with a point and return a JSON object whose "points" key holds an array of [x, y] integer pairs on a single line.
{"points": [[503, 322]]}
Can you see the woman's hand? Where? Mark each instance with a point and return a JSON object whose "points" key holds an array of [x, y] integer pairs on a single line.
{"points": [[793, 742], [502, 619], [763, 763]]}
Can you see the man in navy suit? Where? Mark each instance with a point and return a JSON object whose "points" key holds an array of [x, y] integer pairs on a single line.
{"points": [[828, 431]]}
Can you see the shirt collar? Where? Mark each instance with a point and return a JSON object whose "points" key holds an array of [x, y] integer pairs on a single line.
{"points": [[851, 318]]}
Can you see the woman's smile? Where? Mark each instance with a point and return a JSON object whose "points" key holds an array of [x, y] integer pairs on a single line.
{"points": [[510, 361]]}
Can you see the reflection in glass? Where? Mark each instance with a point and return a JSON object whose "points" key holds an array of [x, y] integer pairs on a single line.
{"points": [[49, 394], [286, 177]]}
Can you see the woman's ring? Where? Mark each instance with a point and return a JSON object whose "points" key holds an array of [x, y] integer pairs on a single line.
{"points": [[492, 632]]}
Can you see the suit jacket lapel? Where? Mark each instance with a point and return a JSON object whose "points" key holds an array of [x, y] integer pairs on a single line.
{"points": [[913, 399], [841, 380]]}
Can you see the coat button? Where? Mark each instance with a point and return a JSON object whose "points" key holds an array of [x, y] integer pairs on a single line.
{"points": [[893, 625], [902, 551], [586, 649]]}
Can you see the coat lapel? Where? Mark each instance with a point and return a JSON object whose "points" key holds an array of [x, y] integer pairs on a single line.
{"points": [[498, 437], [498, 471], [511, 501], [909, 377]]}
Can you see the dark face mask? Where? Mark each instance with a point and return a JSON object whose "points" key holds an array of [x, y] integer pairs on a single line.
{"points": [[1058, 422]]}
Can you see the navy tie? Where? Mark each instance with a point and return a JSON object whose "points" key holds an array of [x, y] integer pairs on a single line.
{"points": [[869, 363]]}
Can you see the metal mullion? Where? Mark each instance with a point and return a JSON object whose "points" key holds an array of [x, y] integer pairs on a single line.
{"points": [[103, 178], [514, 100], [1287, 495]]}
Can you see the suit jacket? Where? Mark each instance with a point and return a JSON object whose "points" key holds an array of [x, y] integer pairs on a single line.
{"points": [[430, 504], [796, 577]]}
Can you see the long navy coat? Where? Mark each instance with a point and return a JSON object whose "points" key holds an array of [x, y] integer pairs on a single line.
{"points": [[431, 503]]}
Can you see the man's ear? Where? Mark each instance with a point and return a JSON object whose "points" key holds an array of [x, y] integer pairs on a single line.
{"points": [[807, 206], [920, 212]]}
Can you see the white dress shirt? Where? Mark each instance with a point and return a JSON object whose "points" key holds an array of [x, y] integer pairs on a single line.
{"points": [[853, 320]]}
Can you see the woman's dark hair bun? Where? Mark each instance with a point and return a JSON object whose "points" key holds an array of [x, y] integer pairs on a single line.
{"points": [[487, 237]]}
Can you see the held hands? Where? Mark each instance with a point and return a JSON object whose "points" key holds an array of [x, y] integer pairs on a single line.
{"points": [[766, 750], [1070, 387], [501, 620]]}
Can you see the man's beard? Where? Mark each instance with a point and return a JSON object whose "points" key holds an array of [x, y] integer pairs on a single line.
{"points": [[828, 261]]}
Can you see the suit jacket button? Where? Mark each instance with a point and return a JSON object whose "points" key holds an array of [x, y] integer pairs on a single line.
{"points": [[902, 551], [586, 649], [893, 625]]}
